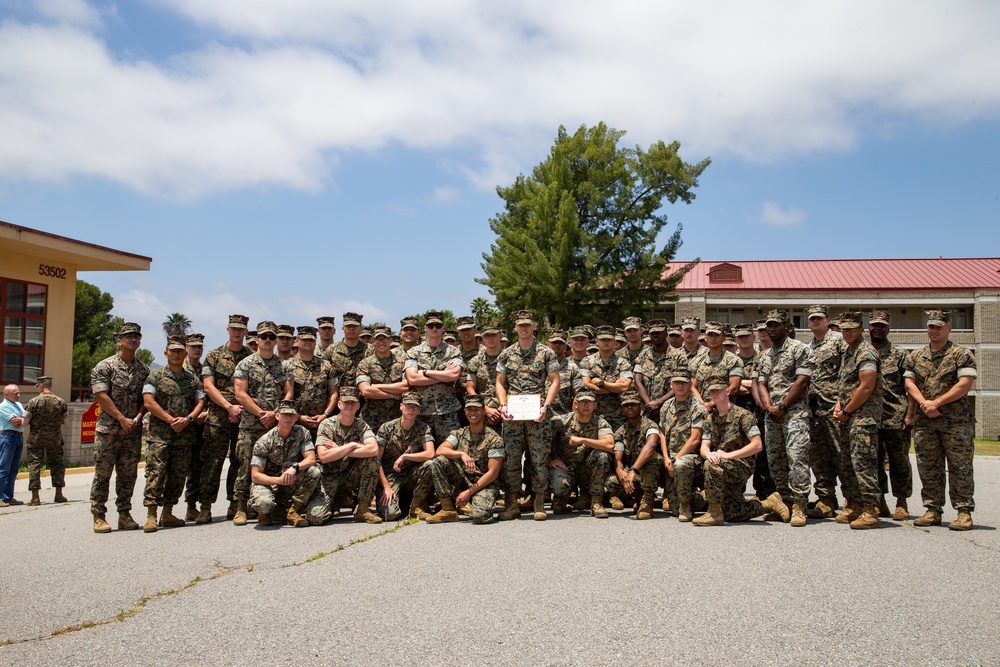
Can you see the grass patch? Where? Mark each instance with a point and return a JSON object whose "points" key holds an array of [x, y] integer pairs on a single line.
{"points": [[357, 540], [987, 448]]}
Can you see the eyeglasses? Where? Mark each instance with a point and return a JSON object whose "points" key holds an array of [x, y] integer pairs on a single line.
{"points": [[267, 336], [435, 325]]}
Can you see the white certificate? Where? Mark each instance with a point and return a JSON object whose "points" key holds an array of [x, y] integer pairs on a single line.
{"points": [[524, 407]]}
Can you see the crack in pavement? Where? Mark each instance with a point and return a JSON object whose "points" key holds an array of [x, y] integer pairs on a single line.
{"points": [[356, 540]]}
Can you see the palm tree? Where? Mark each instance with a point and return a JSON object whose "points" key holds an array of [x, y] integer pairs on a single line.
{"points": [[177, 324]]}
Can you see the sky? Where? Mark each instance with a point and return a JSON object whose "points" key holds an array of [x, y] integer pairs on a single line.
{"points": [[287, 160]]}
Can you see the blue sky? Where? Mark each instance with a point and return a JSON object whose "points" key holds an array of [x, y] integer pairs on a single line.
{"points": [[295, 159]]}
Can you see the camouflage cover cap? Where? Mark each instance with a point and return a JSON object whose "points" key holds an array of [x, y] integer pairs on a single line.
{"points": [[620, 336], [489, 328], [586, 395], [410, 398], [557, 336], [716, 382], [196, 339], [238, 321], [43, 379], [631, 323], [465, 322], [450, 335], [524, 317], [307, 333], [656, 325], [353, 318], [129, 328], [691, 323], [776, 315], [681, 374], [742, 330], [817, 311], [251, 336], [473, 401], [384, 332], [325, 321], [878, 317], [673, 330], [715, 328], [267, 326], [938, 318], [760, 324], [286, 408], [433, 316], [589, 329], [176, 343], [578, 332], [286, 330], [850, 319], [631, 398], [367, 331], [605, 331], [410, 321], [349, 394]]}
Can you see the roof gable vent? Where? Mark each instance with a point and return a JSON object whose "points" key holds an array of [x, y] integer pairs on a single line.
{"points": [[725, 273]]}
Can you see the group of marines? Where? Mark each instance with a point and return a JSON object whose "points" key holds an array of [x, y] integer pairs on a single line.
{"points": [[419, 426]]}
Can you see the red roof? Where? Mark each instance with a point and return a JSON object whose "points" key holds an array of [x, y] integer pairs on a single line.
{"points": [[843, 275]]}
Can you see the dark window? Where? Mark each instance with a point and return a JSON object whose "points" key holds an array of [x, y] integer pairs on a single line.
{"points": [[22, 325]]}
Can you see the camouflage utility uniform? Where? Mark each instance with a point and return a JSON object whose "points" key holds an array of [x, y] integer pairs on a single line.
{"points": [[275, 455], [677, 418], [312, 382], [348, 474], [825, 455], [221, 435], [380, 370], [613, 369], [45, 412], [450, 476], [168, 452], [439, 405], [893, 439], [725, 483], [395, 440], [585, 467], [859, 436], [266, 386], [630, 441]]}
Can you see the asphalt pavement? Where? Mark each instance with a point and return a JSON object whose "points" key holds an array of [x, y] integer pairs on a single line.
{"points": [[572, 590]]}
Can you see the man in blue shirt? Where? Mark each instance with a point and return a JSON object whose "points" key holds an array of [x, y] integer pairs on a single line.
{"points": [[11, 443]]}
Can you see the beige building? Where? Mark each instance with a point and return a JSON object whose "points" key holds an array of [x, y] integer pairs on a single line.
{"points": [[743, 291]]}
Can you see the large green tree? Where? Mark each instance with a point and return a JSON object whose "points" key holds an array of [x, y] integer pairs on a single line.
{"points": [[94, 331], [578, 239], [176, 324]]}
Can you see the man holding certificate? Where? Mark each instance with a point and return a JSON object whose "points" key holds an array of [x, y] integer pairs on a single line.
{"points": [[522, 370]]}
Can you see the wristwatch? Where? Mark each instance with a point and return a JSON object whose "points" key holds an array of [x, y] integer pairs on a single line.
{"points": [[782, 406], [600, 384], [296, 466], [847, 413]]}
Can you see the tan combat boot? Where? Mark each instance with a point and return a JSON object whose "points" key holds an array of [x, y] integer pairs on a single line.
{"points": [[150, 525], [192, 511], [167, 518], [962, 522], [825, 508], [363, 514], [798, 518], [540, 507], [713, 517], [511, 510], [35, 500], [417, 508], [902, 512], [582, 503], [774, 505], [59, 497], [125, 521], [645, 507], [240, 517], [597, 509], [448, 514], [100, 524], [205, 515], [852, 510], [527, 502], [559, 505], [264, 518], [868, 519], [294, 517], [616, 503], [684, 511], [930, 518], [883, 508]]}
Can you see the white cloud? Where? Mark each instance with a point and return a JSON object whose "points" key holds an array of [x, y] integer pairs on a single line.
{"points": [[774, 215], [282, 89], [445, 193], [76, 12]]}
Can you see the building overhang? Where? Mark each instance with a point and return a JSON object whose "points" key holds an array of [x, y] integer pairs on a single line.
{"points": [[54, 248]]}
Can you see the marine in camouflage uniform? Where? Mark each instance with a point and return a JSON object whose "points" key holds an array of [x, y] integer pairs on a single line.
{"points": [[630, 440], [469, 461], [690, 330], [763, 484], [825, 439], [117, 384], [481, 373], [381, 381], [346, 354], [356, 471], [169, 393], [894, 429], [608, 375], [582, 443], [570, 379], [469, 349], [315, 387], [192, 362], [715, 362], [221, 429], [943, 431], [273, 455], [409, 447], [682, 421], [653, 369], [46, 413], [439, 407], [526, 368], [633, 339], [261, 381]]}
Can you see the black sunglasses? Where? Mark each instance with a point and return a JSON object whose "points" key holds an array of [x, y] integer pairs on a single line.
{"points": [[266, 337], [435, 325]]}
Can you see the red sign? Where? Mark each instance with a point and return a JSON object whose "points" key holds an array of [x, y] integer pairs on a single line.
{"points": [[89, 423]]}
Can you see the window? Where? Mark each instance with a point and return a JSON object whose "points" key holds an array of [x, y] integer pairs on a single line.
{"points": [[22, 325]]}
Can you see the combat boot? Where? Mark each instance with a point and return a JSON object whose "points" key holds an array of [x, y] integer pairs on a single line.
{"points": [[240, 517], [582, 503], [597, 509], [774, 505], [167, 518], [192, 511], [713, 517], [616, 503], [825, 508], [101, 524], [540, 507], [35, 500], [798, 518], [666, 506], [59, 498], [684, 512], [902, 512], [645, 507], [205, 515], [962, 522], [465, 510], [263, 518], [559, 505], [448, 514], [511, 510], [527, 502], [852, 510], [417, 508], [883, 509], [150, 525], [868, 519], [125, 521], [231, 512], [294, 517], [364, 514], [930, 518]]}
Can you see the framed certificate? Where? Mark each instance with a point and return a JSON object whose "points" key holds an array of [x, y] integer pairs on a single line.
{"points": [[524, 407]]}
